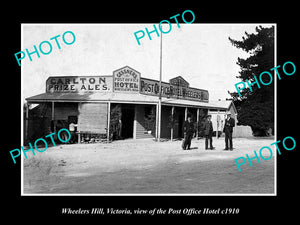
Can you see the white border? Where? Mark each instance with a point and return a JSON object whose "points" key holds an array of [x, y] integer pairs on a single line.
{"points": [[157, 194]]}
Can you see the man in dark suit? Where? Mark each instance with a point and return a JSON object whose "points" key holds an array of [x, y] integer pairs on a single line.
{"points": [[188, 129], [228, 129], [208, 132]]}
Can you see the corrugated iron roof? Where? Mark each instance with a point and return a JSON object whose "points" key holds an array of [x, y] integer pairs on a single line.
{"points": [[90, 97], [123, 97], [222, 104]]}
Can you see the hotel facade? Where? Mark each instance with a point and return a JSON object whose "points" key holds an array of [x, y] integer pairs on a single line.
{"points": [[124, 102]]}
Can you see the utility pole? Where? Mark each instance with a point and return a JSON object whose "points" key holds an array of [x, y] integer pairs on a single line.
{"points": [[159, 97]]}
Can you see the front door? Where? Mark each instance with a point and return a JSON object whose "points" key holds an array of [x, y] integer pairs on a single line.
{"points": [[127, 120]]}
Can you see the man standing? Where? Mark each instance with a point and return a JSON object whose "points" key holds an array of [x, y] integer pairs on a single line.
{"points": [[208, 132], [72, 126], [228, 128], [188, 129]]}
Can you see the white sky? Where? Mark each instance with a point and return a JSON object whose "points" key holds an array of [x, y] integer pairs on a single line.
{"points": [[200, 53]]}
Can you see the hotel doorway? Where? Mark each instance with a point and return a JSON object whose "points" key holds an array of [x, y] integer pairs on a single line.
{"points": [[127, 118]]}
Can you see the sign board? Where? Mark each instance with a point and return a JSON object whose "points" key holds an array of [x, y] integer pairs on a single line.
{"points": [[126, 79], [179, 81], [79, 84], [151, 87], [92, 117]]}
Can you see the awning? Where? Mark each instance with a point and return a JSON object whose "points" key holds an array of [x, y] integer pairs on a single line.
{"points": [[92, 97], [187, 103], [115, 97]]}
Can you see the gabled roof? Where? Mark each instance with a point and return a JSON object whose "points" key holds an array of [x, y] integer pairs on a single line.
{"points": [[223, 104]]}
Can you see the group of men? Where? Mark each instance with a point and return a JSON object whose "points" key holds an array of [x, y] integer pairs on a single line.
{"points": [[189, 131]]}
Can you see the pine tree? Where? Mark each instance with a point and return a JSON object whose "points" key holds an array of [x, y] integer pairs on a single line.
{"points": [[256, 108]]}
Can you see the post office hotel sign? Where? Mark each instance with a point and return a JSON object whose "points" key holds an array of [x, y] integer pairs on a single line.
{"points": [[126, 79]]}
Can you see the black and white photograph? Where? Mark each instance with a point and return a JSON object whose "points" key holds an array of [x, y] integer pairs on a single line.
{"points": [[149, 111], [96, 122]]}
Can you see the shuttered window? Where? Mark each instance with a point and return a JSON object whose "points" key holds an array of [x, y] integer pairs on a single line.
{"points": [[92, 117]]}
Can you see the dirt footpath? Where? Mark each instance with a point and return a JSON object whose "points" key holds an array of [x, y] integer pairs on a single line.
{"points": [[145, 166]]}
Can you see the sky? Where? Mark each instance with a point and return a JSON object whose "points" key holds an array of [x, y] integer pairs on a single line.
{"points": [[200, 53]]}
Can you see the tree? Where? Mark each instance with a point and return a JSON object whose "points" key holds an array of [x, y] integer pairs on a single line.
{"points": [[115, 117], [150, 120], [256, 108]]}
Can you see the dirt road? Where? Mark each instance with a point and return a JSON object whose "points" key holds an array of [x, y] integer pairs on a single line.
{"points": [[148, 167]]}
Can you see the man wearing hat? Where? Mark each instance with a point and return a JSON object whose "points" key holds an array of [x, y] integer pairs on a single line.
{"points": [[228, 129], [188, 129], [208, 132]]}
